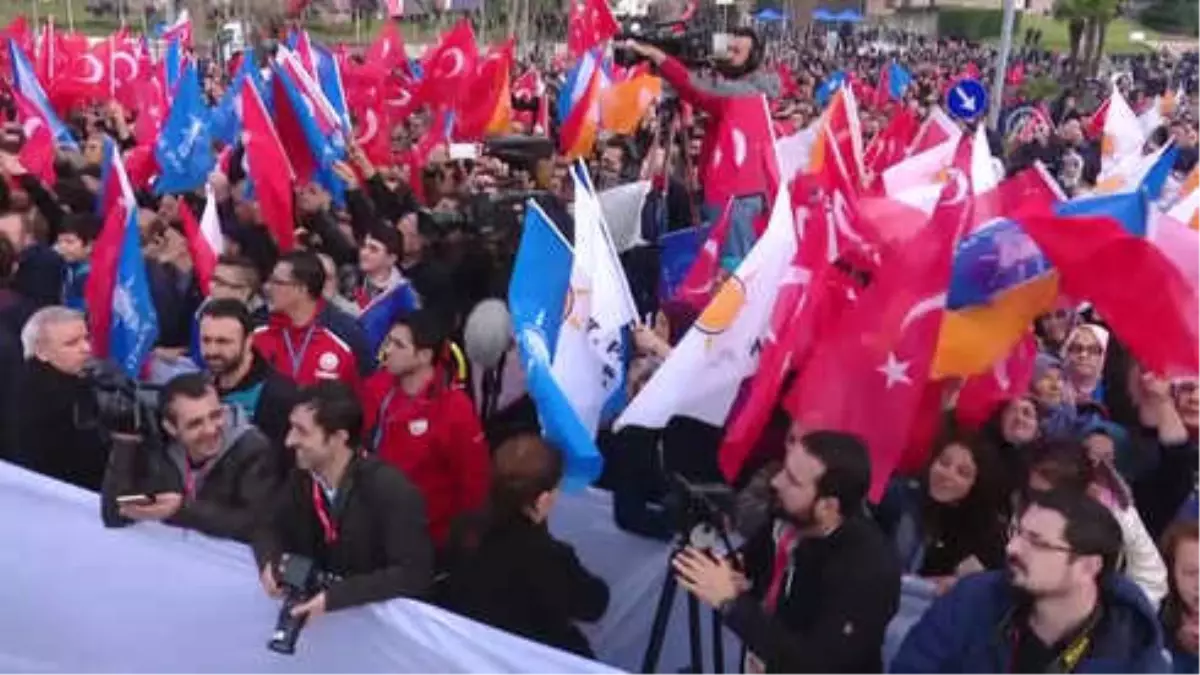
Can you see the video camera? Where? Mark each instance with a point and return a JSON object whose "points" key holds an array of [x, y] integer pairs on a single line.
{"points": [[693, 47], [701, 512], [123, 405], [301, 580]]}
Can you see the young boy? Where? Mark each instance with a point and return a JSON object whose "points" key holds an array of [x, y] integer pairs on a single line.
{"points": [[74, 244]]}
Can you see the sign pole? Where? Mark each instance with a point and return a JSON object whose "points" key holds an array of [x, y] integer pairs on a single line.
{"points": [[1006, 32]]}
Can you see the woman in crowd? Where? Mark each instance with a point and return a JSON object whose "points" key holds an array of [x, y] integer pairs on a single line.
{"points": [[947, 523], [1087, 467], [1010, 431], [1083, 356], [1180, 612], [506, 570]]}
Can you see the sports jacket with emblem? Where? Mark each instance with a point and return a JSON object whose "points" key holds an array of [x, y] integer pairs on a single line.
{"points": [[330, 347]]}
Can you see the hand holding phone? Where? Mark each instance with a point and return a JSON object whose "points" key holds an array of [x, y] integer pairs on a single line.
{"points": [[135, 500]]}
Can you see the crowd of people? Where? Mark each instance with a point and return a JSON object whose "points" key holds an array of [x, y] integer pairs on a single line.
{"points": [[1060, 535]]}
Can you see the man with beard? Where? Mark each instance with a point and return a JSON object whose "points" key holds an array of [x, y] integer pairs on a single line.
{"points": [[821, 581], [1062, 607], [244, 379]]}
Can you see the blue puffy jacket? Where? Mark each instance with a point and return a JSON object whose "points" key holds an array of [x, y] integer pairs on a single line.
{"points": [[960, 633]]}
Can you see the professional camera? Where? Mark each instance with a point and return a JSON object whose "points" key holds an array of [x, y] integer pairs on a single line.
{"points": [[124, 406], [701, 512], [301, 580], [692, 46]]}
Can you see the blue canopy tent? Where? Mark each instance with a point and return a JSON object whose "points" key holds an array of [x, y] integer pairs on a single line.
{"points": [[848, 16], [769, 15], [823, 15]]}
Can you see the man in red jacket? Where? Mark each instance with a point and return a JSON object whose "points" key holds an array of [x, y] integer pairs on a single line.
{"points": [[421, 422], [306, 340]]}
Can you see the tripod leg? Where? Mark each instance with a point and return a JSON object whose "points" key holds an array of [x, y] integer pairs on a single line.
{"points": [[718, 645], [694, 637], [658, 629]]}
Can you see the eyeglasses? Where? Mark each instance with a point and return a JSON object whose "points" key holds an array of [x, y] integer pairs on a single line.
{"points": [[1090, 350], [276, 281], [1035, 540]]}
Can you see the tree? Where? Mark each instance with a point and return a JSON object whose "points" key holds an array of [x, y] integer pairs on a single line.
{"points": [[1087, 27]]}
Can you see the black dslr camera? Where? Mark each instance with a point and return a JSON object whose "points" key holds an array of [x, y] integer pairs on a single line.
{"points": [[122, 404], [691, 46], [701, 512], [301, 580]]}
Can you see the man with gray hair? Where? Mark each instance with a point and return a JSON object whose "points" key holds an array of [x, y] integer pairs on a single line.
{"points": [[53, 424]]}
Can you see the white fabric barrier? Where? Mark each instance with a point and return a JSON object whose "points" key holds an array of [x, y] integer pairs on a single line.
{"points": [[75, 597], [634, 568]]}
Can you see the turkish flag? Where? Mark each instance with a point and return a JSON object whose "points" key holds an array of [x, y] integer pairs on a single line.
{"points": [[1153, 311], [982, 394], [742, 158], [37, 153], [698, 285], [388, 49], [891, 144], [148, 97], [269, 168], [868, 375], [589, 24], [450, 66], [121, 63], [489, 108]]}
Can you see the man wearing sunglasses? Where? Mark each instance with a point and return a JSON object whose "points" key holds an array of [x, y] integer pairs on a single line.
{"points": [[1061, 607]]}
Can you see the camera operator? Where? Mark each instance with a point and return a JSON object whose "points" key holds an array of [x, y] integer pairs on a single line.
{"points": [[354, 516], [822, 582], [737, 73], [214, 475], [54, 417]]}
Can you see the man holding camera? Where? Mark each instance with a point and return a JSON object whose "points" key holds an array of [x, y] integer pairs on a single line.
{"points": [[215, 473], [820, 581], [355, 517]]}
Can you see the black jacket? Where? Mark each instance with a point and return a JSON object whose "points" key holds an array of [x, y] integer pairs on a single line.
{"points": [[518, 578], [232, 491], [382, 550], [834, 611], [55, 427], [268, 397]]}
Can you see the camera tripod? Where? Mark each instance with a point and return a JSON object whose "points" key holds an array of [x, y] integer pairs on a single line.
{"points": [[662, 619]]}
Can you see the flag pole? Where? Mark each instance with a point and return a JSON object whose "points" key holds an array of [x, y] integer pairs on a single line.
{"points": [[1001, 74], [36, 21], [70, 15]]}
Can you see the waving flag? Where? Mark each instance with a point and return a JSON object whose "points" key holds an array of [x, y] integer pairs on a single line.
{"points": [[329, 77], [111, 190], [388, 49], [702, 375], [536, 293], [1148, 173], [590, 24], [579, 108], [897, 80], [312, 152], [226, 118], [488, 111], [450, 65], [268, 167], [172, 66], [829, 86], [184, 149], [204, 240], [37, 153], [1119, 131], [701, 278], [589, 362], [378, 316], [180, 30], [743, 160], [679, 250], [626, 103], [25, 82]]}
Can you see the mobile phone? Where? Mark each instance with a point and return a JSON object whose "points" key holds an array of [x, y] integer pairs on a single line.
{"points": [[464, 151], [135, 500]]}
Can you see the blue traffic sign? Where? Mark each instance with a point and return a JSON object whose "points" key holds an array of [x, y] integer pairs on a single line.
{"points": [[967, 99]]}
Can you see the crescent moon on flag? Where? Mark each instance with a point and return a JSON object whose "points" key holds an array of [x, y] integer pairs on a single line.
{"points": [[120, 57], [30, 127], [739, 147], [456, 56], [371, 124], [97, 69], [923, 307]]}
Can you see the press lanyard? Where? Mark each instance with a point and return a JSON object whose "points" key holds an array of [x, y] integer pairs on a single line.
{"points": [[298, 358], [327, 524], [381, 420]]}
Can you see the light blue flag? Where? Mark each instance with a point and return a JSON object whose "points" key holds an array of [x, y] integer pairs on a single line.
{"points": [[326, 149], [329, 78], [184, 149], [173, 65], [829, 87], [536, 292], [134, 326], [898, 80], [26, 82]]}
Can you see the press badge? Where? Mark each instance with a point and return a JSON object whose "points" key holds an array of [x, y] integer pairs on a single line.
{"points": [[418, 427]]}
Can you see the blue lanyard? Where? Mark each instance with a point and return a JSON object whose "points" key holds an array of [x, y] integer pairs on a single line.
{"points": [[377, 439], [297, 358]]}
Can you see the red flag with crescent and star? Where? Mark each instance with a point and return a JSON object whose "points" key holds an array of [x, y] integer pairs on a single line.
{"points": [[869, 374], [450, 66]]}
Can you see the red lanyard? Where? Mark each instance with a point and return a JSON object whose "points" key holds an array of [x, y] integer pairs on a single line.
{"points": [[327, 524], [783, 550], [189, 479]]}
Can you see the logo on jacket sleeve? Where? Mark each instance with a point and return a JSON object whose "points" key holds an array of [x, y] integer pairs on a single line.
{"points": [[328, 362]]}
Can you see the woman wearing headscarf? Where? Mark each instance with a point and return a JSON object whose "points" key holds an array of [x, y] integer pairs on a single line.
{"points": [[1083, 357], [1010, 431]]}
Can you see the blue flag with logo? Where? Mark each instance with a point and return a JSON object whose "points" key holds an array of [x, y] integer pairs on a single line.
{"points": [[184, 149], [329, 78], [829, 87], [678, 251], [536, 293], [376, 320], [173, 65], [134, 326], [898, 80], [325, 149], [224, 120], [26, 82]]}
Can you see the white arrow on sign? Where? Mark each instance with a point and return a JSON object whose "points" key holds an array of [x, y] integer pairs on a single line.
{"points": [[968, 102]]}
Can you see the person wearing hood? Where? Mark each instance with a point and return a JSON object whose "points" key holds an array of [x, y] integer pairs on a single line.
{"points": [[947, 523], [215, 474], [1083, 355], [1048, 389], [1060, 607]]}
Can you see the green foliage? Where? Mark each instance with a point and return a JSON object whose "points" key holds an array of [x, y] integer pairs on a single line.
{"points": [[973, 24], [1172, 16], [1041, 88]]}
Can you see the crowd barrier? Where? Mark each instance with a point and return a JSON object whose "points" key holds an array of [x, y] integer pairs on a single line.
{"points": [[77, 597]]}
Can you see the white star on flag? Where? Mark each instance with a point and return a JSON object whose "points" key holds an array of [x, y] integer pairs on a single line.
{"points": [[895, 371]]}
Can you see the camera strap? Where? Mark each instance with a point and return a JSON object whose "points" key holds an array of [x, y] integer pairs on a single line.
{"points": [[324, 517]]}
